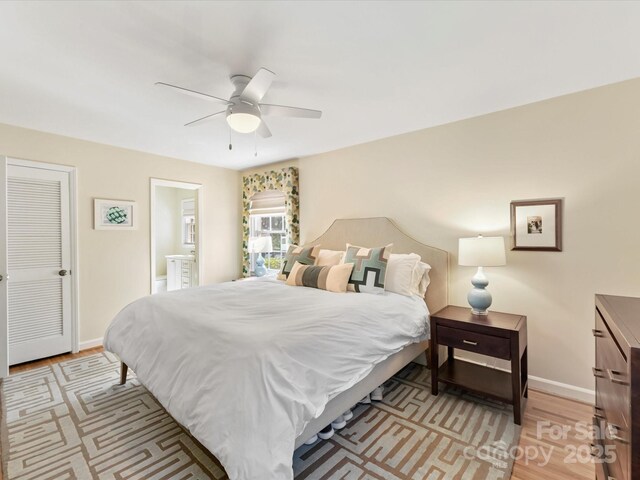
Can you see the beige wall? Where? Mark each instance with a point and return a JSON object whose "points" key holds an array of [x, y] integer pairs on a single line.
{"points": [[438, 184], [457, 180], [115, 265]]}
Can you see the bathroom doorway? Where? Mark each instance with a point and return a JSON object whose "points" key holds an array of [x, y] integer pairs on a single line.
{"points": [[176, 260]]}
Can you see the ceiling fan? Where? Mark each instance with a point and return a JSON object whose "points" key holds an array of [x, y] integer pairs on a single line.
{"points": [[244, 111]]}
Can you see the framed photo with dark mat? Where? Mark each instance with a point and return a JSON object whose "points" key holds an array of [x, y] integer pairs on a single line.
{"points": [[536, 225], [114, 214]]}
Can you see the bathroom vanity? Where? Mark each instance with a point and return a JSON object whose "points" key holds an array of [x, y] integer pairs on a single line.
{"points": [[182, 272]]}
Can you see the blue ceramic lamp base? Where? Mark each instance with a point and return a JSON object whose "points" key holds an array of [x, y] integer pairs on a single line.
{"points": [[260, 271], [478, 297]]}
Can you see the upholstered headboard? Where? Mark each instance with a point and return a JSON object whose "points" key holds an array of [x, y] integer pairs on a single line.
{"points": [[379, 231]]}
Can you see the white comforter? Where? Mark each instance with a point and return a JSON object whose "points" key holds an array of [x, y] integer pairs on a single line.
{"points": [[246, 365]]}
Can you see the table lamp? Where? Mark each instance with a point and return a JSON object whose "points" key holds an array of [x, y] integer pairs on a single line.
{"points": [[260, 245], [480, 252]]}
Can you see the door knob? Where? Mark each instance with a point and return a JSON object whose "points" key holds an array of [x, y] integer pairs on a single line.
{"points": [[1, 278], [62, 273]]}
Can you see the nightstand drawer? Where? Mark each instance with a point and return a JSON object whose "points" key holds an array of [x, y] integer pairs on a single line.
{"points": [[497, 347]]}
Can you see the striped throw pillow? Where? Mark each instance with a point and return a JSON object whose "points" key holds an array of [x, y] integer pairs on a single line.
{"points": [[332, 279]]}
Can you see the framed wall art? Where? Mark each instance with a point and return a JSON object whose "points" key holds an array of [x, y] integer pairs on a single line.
{"points": [[536, 225], [114, 214]]}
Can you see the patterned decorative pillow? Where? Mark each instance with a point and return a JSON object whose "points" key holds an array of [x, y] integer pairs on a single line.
{"points": [[369, 269], [304, 255], [333, 279]]}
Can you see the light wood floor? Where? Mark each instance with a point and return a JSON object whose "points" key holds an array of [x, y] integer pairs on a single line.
{"points": [[552, 412]]}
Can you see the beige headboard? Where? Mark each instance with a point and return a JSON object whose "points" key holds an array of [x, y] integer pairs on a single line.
{"points": [[379, 231]]}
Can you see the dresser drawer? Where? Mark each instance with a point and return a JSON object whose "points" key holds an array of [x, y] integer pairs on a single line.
{"points": [[498, 347], [619, 438], [601, 470], [598, 452], [612, 375], [613, 467], [613, 398], [611, 454]]}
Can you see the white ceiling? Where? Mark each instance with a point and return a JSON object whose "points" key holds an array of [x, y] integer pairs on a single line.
{"points": [[376, 69]]}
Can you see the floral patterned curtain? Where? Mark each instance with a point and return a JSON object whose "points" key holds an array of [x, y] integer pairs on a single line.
{"points": [[285, 181]]}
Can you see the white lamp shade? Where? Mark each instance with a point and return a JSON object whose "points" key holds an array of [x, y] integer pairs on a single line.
{"points": [[481, 252], [260, 245]]}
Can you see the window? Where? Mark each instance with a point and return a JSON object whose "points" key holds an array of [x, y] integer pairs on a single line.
{"points": [[188, 222], [267, 217]]}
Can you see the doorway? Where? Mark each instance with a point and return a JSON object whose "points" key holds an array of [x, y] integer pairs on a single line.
{"points": [[38, 284], [176, 260]]}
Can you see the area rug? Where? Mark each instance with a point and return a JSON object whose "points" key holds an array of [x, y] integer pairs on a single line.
{"points": [[72, 421]]}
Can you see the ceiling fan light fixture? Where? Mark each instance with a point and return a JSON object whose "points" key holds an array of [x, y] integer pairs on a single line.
{"points": [[243, 122], [244, 110]]}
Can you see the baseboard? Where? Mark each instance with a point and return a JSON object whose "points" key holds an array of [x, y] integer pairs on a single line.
{"points": [[96, 342], [562, 389]]}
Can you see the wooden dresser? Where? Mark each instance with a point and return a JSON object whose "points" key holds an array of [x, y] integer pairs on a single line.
{"points": [[617, 372]]}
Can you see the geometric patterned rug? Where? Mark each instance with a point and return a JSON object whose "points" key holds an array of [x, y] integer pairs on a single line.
{"points": [[71, 421]]}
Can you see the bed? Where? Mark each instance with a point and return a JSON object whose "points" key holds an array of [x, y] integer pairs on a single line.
{"points": [[279, 363]]}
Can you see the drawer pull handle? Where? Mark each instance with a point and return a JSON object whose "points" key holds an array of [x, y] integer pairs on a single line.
{"points": [[612, 376], [597, 333], [612, 430], [597, 372], [593, 451], [469, 342], [597, 413]]}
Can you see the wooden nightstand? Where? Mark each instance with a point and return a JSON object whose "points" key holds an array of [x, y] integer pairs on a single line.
{"points": [[498, 335]]}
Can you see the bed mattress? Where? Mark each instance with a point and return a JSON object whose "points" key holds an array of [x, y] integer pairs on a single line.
{"points": [[244, 366]]}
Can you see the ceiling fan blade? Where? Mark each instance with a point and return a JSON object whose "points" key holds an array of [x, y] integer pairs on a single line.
{"points": [[193, 93], [284, 111], [258, 85], [263, 130], [203, 119]]}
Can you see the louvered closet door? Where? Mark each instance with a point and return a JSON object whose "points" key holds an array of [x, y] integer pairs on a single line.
{"points": [[38, 259]]}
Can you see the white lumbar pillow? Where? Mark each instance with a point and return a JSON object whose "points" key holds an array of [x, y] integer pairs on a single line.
{"points": [[329, 258], [400, 273], [421, 279]]}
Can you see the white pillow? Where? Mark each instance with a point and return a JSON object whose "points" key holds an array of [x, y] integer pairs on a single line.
{"points": [[421, 279], [329, 258], [400, 273]]}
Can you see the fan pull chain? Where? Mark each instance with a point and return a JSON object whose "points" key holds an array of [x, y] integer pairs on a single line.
{"points": [[230, 146], [255, 143]]}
